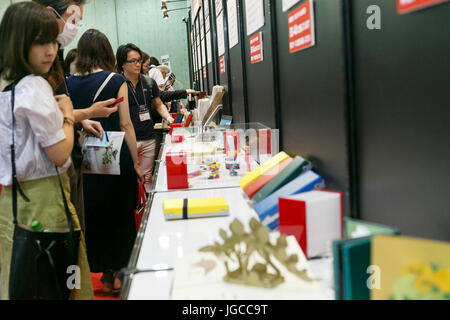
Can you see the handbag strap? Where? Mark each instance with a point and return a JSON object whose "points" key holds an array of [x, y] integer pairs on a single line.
{"points": [[103, 86], [15, 183]]}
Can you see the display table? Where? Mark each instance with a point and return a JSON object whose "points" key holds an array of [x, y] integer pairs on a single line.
{"points": [[160, 243]]}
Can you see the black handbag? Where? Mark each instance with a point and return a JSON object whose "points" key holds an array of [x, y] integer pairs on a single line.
{"points": [[41, 261]]}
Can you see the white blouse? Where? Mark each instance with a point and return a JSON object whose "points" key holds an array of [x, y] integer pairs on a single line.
{"points": [[39, 124]]}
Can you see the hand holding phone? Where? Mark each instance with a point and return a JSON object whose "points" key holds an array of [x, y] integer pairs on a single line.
{"points": [[118, 100]]}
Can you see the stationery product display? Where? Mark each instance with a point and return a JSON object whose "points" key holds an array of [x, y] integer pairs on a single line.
{"points": [[214, 170], [195, 174], [200, 276], [102, 156], [264, 141], [175, 125], [215, 105], [176, 166], [188, 119], [315, 218], [231, 143], [267, 166], [203, 106], [194, 208], [225, 121], [240, 247], [251, 189], [409, 268], [351, 258], [233, 169], [177, 138], [293, 170], [267, 209], [355, 228]]}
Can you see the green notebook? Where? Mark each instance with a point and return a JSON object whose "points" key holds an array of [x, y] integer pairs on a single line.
{"points": [[293, 170], [355, 228], [352, 258]]}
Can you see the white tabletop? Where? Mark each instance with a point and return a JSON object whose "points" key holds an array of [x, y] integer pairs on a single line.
{"points": [[163, 242]]}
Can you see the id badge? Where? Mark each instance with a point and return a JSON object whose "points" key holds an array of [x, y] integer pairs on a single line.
{"points": [[144, 114]]}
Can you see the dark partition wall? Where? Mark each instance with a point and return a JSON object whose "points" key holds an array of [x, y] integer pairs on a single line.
{"points": [[260, 85], [312, 95], [402, 77], [237, 69]]}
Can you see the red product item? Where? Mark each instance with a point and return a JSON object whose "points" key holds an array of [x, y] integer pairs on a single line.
{"points": [[177, 138], [173, 115], [315, 218], [264, 142], [188, 120], [177, 175], [235, 135], [139, 212], [251, 189], [175, 125]]}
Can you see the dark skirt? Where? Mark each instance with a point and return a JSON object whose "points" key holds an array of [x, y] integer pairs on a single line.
{"points": [[110, 202]]}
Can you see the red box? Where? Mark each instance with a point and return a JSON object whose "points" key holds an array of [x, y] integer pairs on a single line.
{"points": [[177, 175], [315, 218], [175, 125], [177, 138]]}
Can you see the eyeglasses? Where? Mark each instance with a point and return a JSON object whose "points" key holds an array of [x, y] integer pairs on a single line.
{"points": [[134, 61]]}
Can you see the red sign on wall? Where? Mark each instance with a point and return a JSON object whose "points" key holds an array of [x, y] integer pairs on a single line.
{"points": [[204, 72], [256, 48], [301, 27], [405, 6], [222, 64]]}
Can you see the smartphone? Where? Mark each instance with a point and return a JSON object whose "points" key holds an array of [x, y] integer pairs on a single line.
{"points": [[118, 100]]}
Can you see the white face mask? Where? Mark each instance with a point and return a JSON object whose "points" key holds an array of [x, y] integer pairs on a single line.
{"points": [[69, 33]]}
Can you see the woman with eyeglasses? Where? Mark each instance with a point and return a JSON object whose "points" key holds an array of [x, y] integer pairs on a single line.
{"points": [[109, 200], [141, 99]]}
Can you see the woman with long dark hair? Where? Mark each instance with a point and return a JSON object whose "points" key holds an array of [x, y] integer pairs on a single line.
{"points": [[43, 133], [109, 200]]}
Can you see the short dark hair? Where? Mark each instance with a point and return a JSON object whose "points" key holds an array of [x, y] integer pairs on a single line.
{"points": [[59, 5], [94, 51], [23, 25], [122, 54], [154, 61]]}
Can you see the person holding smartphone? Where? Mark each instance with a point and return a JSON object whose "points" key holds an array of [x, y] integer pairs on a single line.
{"points": [[68, 15], [110, 200]]}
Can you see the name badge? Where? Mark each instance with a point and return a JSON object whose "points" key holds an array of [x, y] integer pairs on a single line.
{"points": [[144, 114]]}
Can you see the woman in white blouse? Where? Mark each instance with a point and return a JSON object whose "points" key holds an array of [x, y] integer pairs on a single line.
{"points": [[43, 134]]}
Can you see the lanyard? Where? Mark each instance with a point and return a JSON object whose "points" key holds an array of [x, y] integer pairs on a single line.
{"points": [[133, 92]]}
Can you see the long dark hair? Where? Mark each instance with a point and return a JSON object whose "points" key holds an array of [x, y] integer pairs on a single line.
{"points": [[94, 51], [25, 24]]}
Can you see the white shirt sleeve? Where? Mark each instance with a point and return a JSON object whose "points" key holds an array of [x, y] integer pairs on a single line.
{"points": [[36, 103], [156, 75]]}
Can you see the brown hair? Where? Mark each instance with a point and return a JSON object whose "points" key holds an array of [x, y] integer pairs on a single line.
{"points": [[94, 51], [25, 24]]}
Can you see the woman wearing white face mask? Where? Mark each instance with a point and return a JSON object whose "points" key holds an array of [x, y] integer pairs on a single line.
{"points": [[68, 14]]}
